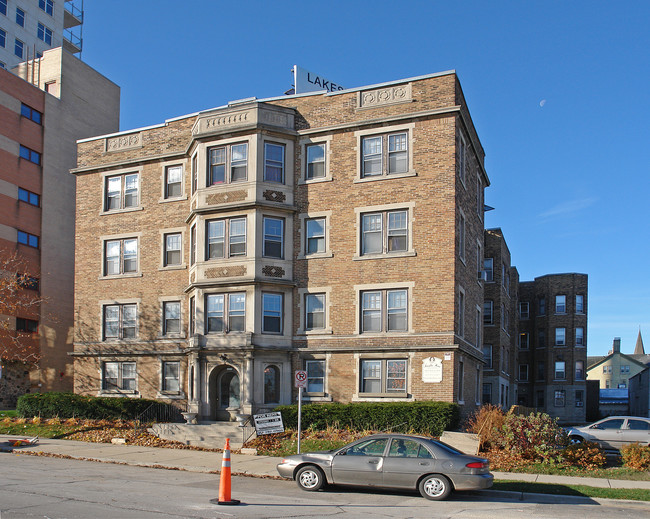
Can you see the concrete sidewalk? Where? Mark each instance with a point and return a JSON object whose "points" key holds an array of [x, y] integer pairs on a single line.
{"points": [[242, 464]]}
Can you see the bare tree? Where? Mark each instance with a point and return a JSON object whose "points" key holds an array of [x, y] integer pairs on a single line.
{"points": [[19, 304]]}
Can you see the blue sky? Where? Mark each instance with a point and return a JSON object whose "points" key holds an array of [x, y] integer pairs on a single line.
{"points": [[558, 92]]}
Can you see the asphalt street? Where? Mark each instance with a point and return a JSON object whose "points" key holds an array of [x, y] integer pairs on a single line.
{"points": [[41, 487]]}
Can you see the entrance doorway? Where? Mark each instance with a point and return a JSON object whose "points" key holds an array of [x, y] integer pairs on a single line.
{"points": [[227, 394]]}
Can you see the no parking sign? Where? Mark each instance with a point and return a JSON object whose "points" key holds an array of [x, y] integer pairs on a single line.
{"points": [[300, 379]]}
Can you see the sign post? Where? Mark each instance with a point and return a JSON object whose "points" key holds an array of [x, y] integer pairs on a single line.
{"points": [[300, 379]]}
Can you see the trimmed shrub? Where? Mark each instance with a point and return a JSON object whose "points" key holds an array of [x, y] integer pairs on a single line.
{"points": [[636, 456], [536, 437], [587, 455], [69, 405], [430, 418]]}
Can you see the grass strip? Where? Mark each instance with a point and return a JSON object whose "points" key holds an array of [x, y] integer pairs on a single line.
{"points": [[634, 494]]}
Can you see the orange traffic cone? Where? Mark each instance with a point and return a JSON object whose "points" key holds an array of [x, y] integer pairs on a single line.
{"points": [[224, 480]]}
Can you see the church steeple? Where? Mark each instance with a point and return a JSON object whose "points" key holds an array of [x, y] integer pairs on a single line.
{"points": [[638, 350]]}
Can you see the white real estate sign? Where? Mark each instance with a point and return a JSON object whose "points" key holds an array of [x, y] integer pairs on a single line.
{"points": [[268, 423]]}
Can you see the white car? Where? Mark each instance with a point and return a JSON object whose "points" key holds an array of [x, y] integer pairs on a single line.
{"points": [[613, 432]]}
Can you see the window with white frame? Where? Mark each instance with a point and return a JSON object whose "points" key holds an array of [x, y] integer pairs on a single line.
{"points": [[462, 158], [524, 340], [524, 310], [173, 252], [560, 370], [227, 164], [580, 304], [173, 181], [315, 376], [580, 398], [120, 321], [316, 156], [384, 232], [171, 317], [487, 355], [315, 238], [3, 39], [384, 154], [272, 312], [47, 6], [171, 376], [44, 33], [193, 244], [120, 256], [121, 192], [523, 372], [488, 267], [384, 311], [580, 336], [273, 245], [560, 304], [20, 17], [314, 311], [225, 312], [488, 312], [560, 398], [19, 48], [580, 370], [274, 162], [560, 336], [119, 376], [225, 238], [3, 7], [383, 376]]}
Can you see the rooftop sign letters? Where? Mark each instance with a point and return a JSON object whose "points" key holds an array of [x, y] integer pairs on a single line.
{"points": [[305, 81]]}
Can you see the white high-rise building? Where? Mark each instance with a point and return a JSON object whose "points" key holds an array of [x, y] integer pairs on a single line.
{"points": [[30, 27]]}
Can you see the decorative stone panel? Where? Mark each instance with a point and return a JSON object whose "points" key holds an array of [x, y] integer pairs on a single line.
{"points": [[222, 198], [225, 272], [193, 277], [124, 142], [272, 271], [385, 96], [274, 196]]}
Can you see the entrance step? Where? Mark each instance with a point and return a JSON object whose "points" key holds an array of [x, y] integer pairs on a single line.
{"points": [[210, 435]]}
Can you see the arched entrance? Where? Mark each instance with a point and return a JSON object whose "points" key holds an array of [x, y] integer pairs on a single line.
{"points": [[225, 393]]}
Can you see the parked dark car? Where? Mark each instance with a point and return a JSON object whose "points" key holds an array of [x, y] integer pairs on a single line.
{"points": [[613, 432], [392, 461]]}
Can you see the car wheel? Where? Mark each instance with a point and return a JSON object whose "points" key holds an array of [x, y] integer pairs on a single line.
{"points": [[310, 478], [435, 487], [576, 439]]}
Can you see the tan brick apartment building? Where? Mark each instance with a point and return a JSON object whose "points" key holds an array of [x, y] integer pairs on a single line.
{"points": [[45, 106], [339, 233]]}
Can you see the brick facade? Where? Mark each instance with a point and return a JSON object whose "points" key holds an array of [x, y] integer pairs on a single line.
{"points": [[251, 262]]}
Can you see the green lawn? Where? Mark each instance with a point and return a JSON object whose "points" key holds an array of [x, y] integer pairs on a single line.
{"points": [[572, 490]]}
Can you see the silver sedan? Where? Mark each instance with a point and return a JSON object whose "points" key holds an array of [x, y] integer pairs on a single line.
{"points": [[392, 461], [613, 432]]}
